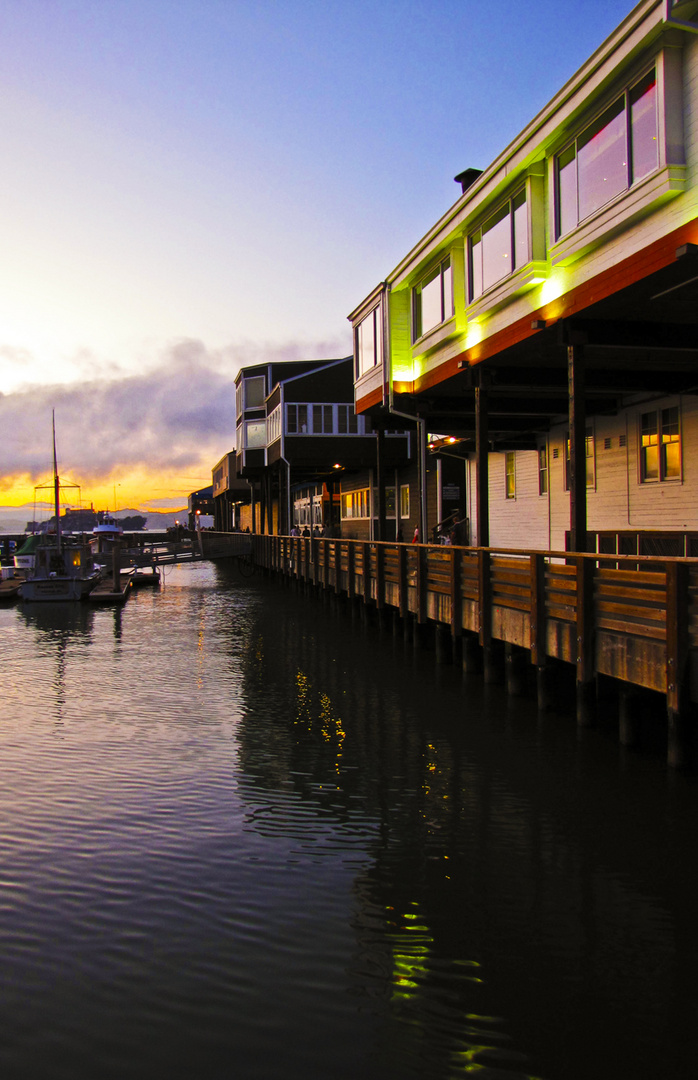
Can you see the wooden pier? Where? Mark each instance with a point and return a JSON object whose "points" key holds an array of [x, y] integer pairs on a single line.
{"points": [[630, 618]]}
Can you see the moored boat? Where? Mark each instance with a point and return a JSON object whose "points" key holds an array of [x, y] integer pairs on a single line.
{"points": [[62, 571]]}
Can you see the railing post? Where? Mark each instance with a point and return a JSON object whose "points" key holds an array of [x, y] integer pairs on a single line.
{"points": [[366, 562], [422, 555], [491, 657], [337, 556], [676, 657], [585, 641], [538, 633], [456, 560], [403, 594], [380, 577], [351, 584]]}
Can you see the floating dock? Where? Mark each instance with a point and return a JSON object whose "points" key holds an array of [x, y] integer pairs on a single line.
{"points": [[108, 591]]}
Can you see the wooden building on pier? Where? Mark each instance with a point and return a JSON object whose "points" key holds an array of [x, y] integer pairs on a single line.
{"points": [[548, 323]]}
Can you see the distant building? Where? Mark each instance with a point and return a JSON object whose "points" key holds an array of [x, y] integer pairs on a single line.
{"points": [[299, 442], [200, 504]]}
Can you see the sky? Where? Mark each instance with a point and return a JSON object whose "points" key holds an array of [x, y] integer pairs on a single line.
{"points": [[188, 186]]}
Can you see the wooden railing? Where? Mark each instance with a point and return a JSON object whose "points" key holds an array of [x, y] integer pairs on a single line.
{"points": [[603, 614]]}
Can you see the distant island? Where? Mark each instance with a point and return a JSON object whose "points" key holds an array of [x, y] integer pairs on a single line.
{"points": [[13, 519], [86, 520]]}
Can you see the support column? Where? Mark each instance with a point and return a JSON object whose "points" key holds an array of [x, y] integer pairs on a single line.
{"points": [[578, 430], [586, 688], [515, 670], [628, 716], [482, 482], [676, 662], [380, 484]]}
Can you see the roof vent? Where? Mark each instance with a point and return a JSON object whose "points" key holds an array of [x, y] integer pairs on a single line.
{"points": [[465, 179]]}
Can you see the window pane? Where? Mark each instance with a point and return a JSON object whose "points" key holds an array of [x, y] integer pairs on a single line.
{"points": [[649, 446], [509, 465], [520, 230], [542, 470], [589, 452], [254, 392], [602, 169], [430, 299], [643, 125], [256, 433], [671, 446], [367, 347], [476, 266], [291, 419], [447, 279], [566, 191], [496, 247]]}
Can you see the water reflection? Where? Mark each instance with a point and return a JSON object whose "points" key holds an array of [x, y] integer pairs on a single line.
{"points": [[267, 839]]}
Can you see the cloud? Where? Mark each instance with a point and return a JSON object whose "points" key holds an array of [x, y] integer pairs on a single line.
{"points": [[179, 415]]}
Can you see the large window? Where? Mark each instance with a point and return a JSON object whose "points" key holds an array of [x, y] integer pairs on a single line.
{"points": [[355, 504], [389, 502], [368, 342], [432, 299], [613, 152], [499, 246], [660, 445]]}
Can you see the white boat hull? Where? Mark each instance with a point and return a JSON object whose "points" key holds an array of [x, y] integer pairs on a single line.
{"points": [[42, 589]]}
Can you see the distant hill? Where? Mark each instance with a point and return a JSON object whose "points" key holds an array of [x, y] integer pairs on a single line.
{"points": [[14, 518]]}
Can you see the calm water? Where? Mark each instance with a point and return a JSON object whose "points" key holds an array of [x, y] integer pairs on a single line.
{"points": [[242, 838]]}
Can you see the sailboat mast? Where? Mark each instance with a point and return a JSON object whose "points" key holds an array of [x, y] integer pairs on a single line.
{"points": [[56, 486]]}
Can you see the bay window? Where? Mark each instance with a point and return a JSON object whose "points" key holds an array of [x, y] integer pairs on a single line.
{"points": [[609, 155]]}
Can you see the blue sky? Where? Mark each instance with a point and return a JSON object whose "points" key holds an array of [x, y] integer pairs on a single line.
{"points": [[240, 174]]}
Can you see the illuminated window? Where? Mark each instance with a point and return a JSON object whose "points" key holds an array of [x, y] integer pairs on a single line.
{"points": [[368, 342], [660, 445], [499, 246], [432, 299], [510, 474], [355, 504], [611, 154], [405, 501], [542, 470]]}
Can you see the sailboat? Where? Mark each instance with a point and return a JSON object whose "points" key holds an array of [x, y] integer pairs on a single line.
{"points": [[62, 570]]}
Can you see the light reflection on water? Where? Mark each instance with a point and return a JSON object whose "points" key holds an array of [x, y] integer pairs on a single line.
{"points": [[240, 838]]}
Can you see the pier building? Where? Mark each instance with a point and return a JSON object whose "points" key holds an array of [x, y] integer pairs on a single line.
{"points": [[547, 323]]}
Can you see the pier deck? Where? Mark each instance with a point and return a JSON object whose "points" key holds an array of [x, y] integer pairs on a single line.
{"points": [[631, 618]]}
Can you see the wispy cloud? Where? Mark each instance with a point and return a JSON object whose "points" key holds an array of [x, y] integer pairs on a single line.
{"points": [[179, 416]]}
